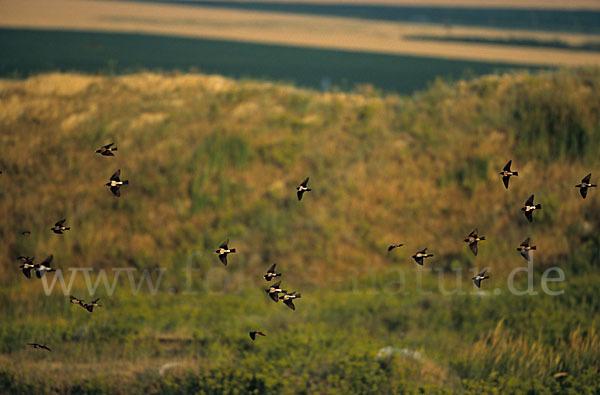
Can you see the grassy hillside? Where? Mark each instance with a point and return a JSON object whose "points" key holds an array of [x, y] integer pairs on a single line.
{"points": [[210, 158]]}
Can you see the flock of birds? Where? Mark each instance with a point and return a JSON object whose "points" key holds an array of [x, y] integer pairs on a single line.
{"points": [[275, 291]]}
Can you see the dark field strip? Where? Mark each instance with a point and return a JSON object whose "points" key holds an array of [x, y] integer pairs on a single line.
{"points": [[27, 52], [588, 46], [583, 21]]}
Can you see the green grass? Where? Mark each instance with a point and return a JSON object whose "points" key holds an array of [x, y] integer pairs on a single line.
{"points": [[210, 158]]}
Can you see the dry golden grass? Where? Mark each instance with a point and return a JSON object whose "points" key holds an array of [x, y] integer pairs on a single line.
{"points": [[294, 30]]}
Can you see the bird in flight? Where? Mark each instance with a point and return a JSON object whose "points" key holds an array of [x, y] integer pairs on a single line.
{"points": [[480, 277], [585, 184], [115, 183], [27, 265], [90, 306], [418, 257], [288, 299], [473, 239], [106, 150], [394, 246], [59, 227], [26, 233], [75, 300], [223, 251], [506, 173], [529, 208], [254, 333], [39, 346], [524, 249], [42, 268], [302, 188], [274, 291], [271, 273]]}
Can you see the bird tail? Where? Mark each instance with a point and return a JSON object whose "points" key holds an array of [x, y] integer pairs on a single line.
{"points": [[114, 149], [481, 237], [486, 277], [309, 190], [538, 206], [67, 228], [515, 173], [125, 182], [298, 296], [232, 250], [533, 247], [593, 186]]}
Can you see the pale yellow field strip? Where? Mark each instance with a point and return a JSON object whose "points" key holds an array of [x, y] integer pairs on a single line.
{"points": [[523, 4], [285, 29]]}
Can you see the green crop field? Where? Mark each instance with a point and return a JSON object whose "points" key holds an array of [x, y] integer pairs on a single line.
{"points": [[210, 158], [26, 52]]}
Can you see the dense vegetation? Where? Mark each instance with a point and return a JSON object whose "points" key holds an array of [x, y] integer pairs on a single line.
{"points": [[210, 158]]}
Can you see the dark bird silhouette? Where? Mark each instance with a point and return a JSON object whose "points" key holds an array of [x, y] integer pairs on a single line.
{"points": [[27, 265], [288, 299], [524, 249], [115, 183], [529, 208], [394, 246], [271, 273], [506, 173], [418, 257], [60, 227], [585, 184], [26, 259], [90, 306], [473, 239], [106, 150], [223, 251], [274, 291], [42, 268], [39, 346], [26, 233], [480, 277], [75, 300], [254, 333], [302, 188]]}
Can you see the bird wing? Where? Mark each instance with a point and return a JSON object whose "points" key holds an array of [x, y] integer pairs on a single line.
{"points": [[272, 269], [583, 192], [528, 215], [525, 242], [525, 254], [47, 261], [586, 179], [260, 333], [477, 282], [108, 153], [224, 244], [273, 295], [505, 180], [116, 190], [277, 284], [27, 272], [507, 167], [39, 273], [115, 177], [391, 248], [46, 348], [473, 233], [529, 201], [108, 145], [252, 335], [290, 304], [300, 193], [482, 273], [419, 260], [474, 248], [305, 182], [223, 258], [60, 223]]}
